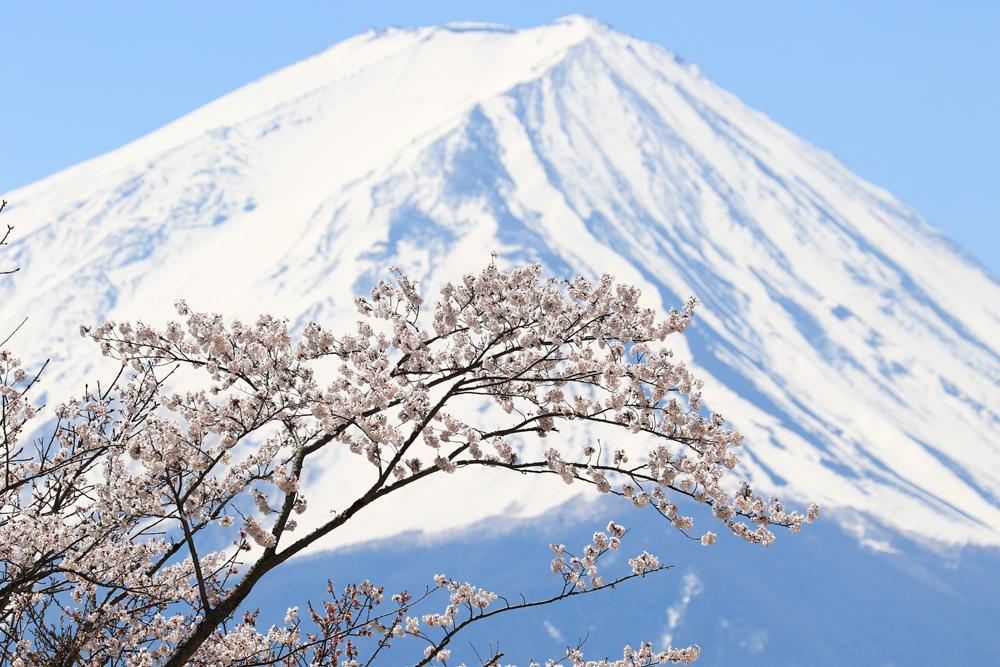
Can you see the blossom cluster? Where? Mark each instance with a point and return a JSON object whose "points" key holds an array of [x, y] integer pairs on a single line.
{"points": [[581, 572], [644, 656], [112, 526]]}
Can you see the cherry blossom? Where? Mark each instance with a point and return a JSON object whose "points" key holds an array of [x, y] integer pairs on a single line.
{"points": [[136, 531]]}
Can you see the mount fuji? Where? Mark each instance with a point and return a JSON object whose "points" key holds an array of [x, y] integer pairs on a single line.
{"points": [[852, 343]]}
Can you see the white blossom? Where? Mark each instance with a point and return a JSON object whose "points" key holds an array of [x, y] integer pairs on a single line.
{"points": [[120, 512]]}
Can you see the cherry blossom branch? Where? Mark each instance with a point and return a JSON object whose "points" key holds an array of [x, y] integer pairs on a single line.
{"points": [[562, 595], [111, 541]]}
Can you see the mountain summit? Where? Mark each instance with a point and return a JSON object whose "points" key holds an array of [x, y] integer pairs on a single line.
{"points": [[852, 343]]}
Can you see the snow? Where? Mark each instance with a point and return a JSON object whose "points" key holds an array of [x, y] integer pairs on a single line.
{"points": [[853, 344]]}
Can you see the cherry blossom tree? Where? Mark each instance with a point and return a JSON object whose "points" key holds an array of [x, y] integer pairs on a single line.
{"points": [[135, 531]]}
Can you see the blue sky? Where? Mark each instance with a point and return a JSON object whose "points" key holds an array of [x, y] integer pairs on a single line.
{"points": [[906, 93]]}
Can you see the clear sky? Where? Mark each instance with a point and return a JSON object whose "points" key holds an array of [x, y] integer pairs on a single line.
{"points": [[905, 92]]}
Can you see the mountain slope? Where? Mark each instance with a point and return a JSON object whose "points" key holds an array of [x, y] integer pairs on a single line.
{"points": [[850, 341]]}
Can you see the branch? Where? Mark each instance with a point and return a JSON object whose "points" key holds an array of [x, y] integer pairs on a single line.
{"points": [[573, 592], [3, 241]]}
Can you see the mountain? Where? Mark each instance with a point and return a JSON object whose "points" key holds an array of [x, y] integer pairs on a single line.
{"points": [[852, 343]]}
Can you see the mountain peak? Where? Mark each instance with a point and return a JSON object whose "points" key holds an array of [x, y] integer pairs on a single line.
{"points": [[477, 26], [428, 148], [583, 22]]}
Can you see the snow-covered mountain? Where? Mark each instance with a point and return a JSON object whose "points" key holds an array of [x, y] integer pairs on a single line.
{"points": [[854, 345]]}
